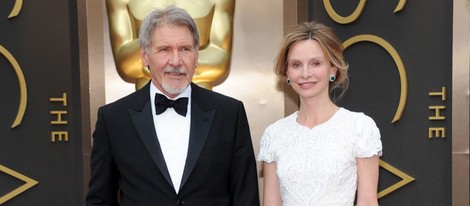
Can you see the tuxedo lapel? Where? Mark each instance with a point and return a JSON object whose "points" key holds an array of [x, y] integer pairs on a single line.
{"points": [[201, 122], [143, 123]]}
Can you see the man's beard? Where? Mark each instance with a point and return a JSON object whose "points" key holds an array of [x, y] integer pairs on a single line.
{"points": [[175, 86]]}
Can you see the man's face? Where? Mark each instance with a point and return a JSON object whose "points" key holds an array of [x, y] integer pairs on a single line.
{"points": [[171, 58]]}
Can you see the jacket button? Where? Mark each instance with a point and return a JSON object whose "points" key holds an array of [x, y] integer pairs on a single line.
{"points": [[179, 202]]}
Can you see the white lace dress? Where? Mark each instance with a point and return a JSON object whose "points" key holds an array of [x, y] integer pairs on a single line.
{"points": [[318, 166]]}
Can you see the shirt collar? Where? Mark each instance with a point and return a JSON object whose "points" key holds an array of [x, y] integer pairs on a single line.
{"points": [[186, 92]]}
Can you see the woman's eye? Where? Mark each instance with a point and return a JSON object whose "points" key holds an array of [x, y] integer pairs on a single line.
{"points": [[295, 65]]}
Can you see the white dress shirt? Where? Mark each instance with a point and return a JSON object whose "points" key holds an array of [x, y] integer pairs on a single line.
{"points": [[173, 135]]}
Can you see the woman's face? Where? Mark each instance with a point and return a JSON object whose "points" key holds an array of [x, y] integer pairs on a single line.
{"points": [[309, 69]]}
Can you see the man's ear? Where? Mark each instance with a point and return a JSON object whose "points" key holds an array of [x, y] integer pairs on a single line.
{"points": [[144, 56]]}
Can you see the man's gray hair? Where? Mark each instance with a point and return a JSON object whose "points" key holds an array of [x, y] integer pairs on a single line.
{"points": [[172, 16]]}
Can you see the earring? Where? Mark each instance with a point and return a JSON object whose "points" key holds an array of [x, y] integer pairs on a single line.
{"points": [[332, 77], [288, 81]]}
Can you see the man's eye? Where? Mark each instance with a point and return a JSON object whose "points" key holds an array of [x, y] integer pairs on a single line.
{"points": [[186, 49]]}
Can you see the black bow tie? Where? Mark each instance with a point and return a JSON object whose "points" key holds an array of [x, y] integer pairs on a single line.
{"points": [[162, 103]]}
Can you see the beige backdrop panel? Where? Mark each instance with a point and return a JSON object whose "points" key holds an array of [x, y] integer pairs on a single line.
{"points": [[258, 31], [460, 104]]}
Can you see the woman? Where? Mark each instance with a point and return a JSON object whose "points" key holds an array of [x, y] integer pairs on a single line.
{"points": [[322, 154]]}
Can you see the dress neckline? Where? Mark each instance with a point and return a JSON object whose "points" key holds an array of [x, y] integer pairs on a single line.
{"points": [[319, 125]]}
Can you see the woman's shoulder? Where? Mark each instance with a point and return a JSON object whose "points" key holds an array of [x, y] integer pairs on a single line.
{"points": [[281, 125], [354, 115], [285, 121], [360, 122]]}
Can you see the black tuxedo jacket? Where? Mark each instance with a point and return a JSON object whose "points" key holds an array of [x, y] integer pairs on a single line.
{"points": [[128, 168]]}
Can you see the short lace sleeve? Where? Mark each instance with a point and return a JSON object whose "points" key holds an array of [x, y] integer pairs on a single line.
{"points": [[368, 141], [267, 152]]}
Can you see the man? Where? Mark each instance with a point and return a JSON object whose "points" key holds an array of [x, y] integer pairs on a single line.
{"points": [[144, 154], [214, 19]]}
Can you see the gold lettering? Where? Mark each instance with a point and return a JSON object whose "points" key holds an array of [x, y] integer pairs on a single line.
{"points": [[22, 85], [340, 19], [59, 117], [400, 6], [356, 13], [437, 132], [62, 99], [437, 111], [442, 93], [398, 62], [16, 9], [60, 136]]}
